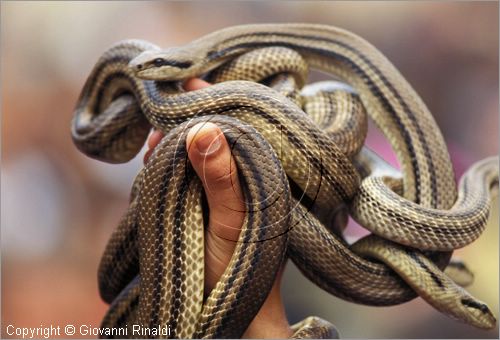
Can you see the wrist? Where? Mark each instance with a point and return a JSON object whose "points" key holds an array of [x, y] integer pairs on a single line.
{"points": [[270, 321]]}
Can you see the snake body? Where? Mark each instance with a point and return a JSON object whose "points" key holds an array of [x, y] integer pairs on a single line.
{"points": [[135, 85]]}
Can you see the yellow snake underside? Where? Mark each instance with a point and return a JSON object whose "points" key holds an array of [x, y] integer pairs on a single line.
{"points": [[303, 166]]}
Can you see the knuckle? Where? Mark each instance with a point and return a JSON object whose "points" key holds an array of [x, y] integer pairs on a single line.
{"points": [[221, 179]]}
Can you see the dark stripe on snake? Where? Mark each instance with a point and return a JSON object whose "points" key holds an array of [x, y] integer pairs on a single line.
{"points": [[126, 250], [473, 304], [159, 248], [419, 261], [175, 63], [179, 218]]}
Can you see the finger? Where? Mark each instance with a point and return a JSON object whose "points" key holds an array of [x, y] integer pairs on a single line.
{"points": [[193, 84], [153, 140], [211, 158]]}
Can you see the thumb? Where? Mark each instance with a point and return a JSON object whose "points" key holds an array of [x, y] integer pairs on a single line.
{"points": [[211, 158]]}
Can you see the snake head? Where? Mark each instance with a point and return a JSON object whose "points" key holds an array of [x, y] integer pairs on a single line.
{"points": [[478, 313], [166, 65]]}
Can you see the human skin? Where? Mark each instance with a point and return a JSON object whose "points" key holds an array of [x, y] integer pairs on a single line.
{"points": [[210, 157]]}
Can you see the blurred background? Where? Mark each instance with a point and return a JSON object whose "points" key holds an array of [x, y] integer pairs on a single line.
{"points": [[58, 207]]}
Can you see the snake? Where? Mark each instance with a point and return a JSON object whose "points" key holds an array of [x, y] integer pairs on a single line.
{"points": [[136, 85]]}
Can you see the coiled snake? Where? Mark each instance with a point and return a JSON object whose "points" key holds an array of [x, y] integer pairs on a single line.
{"points": [[152, 269]]}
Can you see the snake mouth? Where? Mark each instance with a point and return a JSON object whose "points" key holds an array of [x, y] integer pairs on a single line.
{"points": [[485, 320], [146, 74], [162, 73]]}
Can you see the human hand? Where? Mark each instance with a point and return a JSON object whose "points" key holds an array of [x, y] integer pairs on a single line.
{"points": [[211, 159]]}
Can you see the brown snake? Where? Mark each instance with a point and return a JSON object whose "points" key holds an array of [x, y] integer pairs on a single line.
{"points": [[152, 269]]}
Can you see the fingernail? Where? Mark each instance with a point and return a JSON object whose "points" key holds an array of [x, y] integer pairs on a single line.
{"points": [[208, 141]]}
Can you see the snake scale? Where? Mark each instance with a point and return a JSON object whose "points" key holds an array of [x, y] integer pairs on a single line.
{"points": [[303, 167]]}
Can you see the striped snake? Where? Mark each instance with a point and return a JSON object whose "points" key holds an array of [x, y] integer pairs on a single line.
{"points": [[299, 174]]}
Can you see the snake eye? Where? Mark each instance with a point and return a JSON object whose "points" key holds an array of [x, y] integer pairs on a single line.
{"points": [[159, 62]]}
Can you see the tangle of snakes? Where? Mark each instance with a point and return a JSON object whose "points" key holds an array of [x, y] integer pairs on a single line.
{"points": [[152, 268]]}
